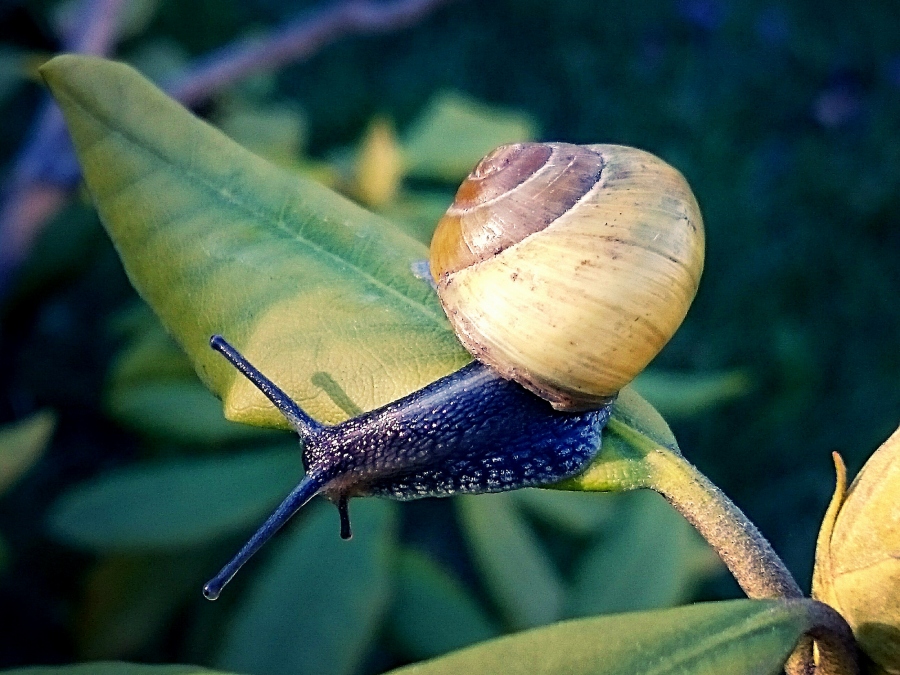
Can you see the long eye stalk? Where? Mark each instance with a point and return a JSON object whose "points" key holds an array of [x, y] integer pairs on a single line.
{"points": [[311, 484], [302, 423]]}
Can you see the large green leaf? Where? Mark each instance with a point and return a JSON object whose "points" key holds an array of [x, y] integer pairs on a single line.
{"points": [[317, 292], [218, 240], [740, 637], [175, 503], [316, 605]]}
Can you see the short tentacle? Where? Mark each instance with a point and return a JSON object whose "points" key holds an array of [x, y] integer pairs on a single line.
{"points": [[343, 509]]}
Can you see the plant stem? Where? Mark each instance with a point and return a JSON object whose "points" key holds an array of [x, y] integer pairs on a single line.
{"points": [[743, 549], [746, 553]]}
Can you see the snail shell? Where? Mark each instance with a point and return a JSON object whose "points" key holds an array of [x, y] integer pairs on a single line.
{"points": [[567, 268]]}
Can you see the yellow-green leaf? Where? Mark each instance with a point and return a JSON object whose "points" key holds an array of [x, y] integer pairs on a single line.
{"points": [[22, 443], [218, 240]]}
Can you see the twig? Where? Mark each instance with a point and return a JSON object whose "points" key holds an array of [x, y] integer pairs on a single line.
{"points": [[46, 172], [98, 29], [295, 41], [41, 178]]}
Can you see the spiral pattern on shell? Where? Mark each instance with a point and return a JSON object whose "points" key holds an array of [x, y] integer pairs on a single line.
{"points": [[567, 268]]}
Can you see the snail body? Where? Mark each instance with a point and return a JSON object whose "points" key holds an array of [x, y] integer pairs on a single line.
{"points": [[472, 431], [564, 269]]}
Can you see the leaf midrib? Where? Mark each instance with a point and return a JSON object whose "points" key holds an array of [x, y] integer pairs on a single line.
{"points": [[685, 657], [199, 178]]}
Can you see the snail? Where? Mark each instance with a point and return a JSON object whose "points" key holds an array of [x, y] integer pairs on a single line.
{"points": [[564, 270]]}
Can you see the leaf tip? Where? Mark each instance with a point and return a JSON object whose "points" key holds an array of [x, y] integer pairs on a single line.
{"points": [[53, 71]]}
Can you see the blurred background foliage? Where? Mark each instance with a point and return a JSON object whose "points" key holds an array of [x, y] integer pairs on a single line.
{"points": [[123, 488]]}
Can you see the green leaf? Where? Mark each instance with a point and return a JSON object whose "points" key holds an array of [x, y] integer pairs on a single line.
{"points": [[517, 570], [455, 131], [432, 613], [634, 428], [152, 389], [631, 410], [22, 444], [183, 412], [678, 395], [176, 503], [64, 248], [218, 240], [316, 604], [115, 669], [642, 561], [740, 637]]}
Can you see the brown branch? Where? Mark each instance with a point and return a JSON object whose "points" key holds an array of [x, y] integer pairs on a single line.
{"points": [[46, 171], [294, 42], [37, 188]]}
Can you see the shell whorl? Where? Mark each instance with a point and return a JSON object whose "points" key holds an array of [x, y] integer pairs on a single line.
{"points": [[567, 268], [514, 191]]}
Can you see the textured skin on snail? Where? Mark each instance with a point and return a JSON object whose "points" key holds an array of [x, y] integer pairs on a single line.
{"points": [[567, 268], [442, 440]]}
